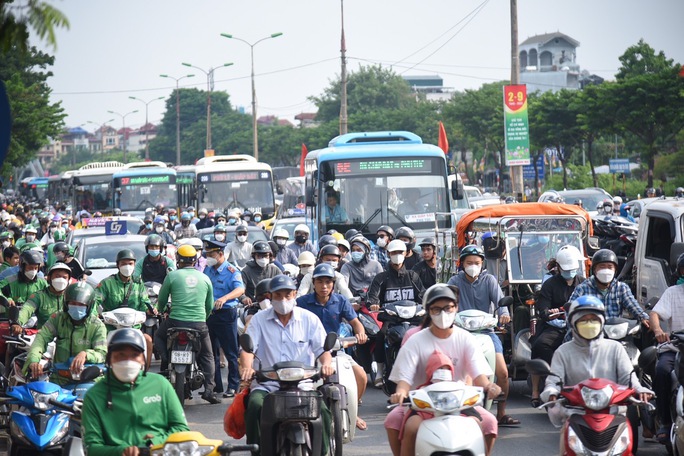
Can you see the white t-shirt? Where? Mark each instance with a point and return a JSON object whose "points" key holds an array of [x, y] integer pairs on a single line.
{"points": [[670, 309], [462, 347]]}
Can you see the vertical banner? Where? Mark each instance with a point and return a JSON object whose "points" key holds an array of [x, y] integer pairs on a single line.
{"points": [[516, 127], [442, 141]]}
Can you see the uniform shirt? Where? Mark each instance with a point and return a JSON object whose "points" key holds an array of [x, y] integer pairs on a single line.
{"points": [[332, 313], [150, 406], [192, 292], [483, 294], [44, 303], [225, 279], [617, 297], [13, 287], [112, 293]]}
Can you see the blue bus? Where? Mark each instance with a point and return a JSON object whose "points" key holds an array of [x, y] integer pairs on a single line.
{"points": [[139, 186], [37, 188], [378, 178]]}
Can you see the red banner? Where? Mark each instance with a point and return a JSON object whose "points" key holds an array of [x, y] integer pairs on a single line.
{"points": [[443, 142], [301, 160]]}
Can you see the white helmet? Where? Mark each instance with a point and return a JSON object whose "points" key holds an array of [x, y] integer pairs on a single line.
{"points": [[302, 227], [617, 200], [306, 258], [291, 269], [569, 258], [281, 233], [396, 245]]}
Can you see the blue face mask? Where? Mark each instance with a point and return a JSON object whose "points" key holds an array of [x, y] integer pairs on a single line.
{"points": [[232, 221], [174, 217], [569, 275], [680, 281], [148, 226], [154, 253], [257, 219], [356, 256], [77, 313]]}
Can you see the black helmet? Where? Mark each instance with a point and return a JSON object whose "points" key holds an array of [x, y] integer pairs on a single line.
{"points": [[349, 234], [80, 292], [281, 282], [261, 247], [30, 257], [650, 190], [125, 254], [155, 240], [439, 291], [406, 232], [429, 241], [241, 229], [604, 256], [326, 239], [262, 287], [61, 247], [126, 337], [387, 229], [470, 250], [329, 250], [323, 270]]}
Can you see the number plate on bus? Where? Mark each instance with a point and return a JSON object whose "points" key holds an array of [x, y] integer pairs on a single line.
{"points": [[181, 357]]}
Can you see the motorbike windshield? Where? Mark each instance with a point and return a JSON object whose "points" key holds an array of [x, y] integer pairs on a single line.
{"points": [[527, 254]]}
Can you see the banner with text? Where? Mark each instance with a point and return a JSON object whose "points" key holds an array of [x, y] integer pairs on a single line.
{"points": [[516, 127]]}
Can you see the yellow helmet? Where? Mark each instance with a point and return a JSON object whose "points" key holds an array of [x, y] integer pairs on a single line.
{"points": [[186, 253]]}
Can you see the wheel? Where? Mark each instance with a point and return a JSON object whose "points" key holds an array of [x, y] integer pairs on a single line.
{"points": [[633, 418], [293, 449], [336, 429], [179, 387]]}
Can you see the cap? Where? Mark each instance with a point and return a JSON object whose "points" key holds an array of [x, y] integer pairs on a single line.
{"points": [[213, 246]]}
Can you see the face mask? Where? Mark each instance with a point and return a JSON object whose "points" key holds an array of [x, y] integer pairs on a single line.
{"points": [[52, 230], [211, 261], [77, 313], [304, 270], [680, 281], [247, 218], [5, 244], [154, 253], [30, 274], [332, 263], [443, 320], [442, 375], [241, 238], [356, 256], [397, 259], [202, 216], [382, 242], [232, 222], [60, 256], [59, 284], [569, 275], [588, 329], [126, 371], [148, 226], [300, 239], [174, 217], [608, 210], [605, 275], [263, 262], [257, 219], [284, 307], [221, 222], [219, 237], [30, 238], [265, 304], [281, 241], [126, 270], [159, 229], [473, 270]]}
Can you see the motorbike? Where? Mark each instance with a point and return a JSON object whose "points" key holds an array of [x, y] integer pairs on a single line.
{"points": [[151, 323], [451, 430], [291, 422], [191, 442], [676, 446], [184, 345], [124, 317], [595, 424], [397, 317]]}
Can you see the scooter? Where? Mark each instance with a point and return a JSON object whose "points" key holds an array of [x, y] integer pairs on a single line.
{"points": [[451, 430], [151, 323], [184, 345], [291, 422], [124, 317], [595, 424], [180, 442]]}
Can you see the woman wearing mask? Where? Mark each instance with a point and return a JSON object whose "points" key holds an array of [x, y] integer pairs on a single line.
{"points": [[360, 271]]}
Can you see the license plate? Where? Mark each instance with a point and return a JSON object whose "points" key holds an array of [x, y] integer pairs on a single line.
{"points": [[181, 357]]}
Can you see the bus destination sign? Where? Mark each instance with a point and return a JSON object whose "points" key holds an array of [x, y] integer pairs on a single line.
{"points": [[145, 180], [385, 166], [234, 176]]}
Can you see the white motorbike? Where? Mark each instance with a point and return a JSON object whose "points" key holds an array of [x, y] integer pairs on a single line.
{"points": [[124, 317], [479, 324], [449, 431]]}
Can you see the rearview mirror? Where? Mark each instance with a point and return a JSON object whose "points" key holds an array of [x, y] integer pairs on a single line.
{"points": [[330, 340], [538, 367], [593, 242], [456, 189], [246, 343], [506, 301], [90, 373]]}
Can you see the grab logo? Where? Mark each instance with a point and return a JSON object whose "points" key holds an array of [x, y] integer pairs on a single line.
{"points": [[152, 399]]}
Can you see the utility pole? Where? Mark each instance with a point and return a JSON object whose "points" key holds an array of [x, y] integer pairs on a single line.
{"points": [[516, 171], [343, 77]]}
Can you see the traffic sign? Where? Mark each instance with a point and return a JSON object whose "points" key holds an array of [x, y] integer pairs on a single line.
{"points": [[528, 170], [619, 165]]}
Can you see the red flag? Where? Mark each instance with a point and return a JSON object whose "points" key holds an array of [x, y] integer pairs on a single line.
{"points": [[301, 160], [443, 142]]}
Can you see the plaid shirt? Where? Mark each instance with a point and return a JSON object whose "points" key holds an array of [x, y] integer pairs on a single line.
{"points": [[617, 299]]}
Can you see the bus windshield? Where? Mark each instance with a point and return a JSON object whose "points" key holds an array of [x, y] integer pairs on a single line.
{"points": [[368, 193], [251, 190], [136, 193], [91, 197]]}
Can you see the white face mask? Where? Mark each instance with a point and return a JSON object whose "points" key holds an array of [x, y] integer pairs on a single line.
{"points": [[263, 262], [159, 229], [211, 261], [442, 375], [265, 304], [59, 284], [332, 263], [126, 371], [241, 238], [397, 259], [473, 270], [5, 244], [281, 241], [443, 320], [382, 242], [219, 237], [605, 275], [285, 306], [30, 238], [126, 270], [304, 270], [30, 274]]}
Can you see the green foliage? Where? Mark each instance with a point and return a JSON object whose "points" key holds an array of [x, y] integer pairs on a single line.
{"points": [[19, 17]]}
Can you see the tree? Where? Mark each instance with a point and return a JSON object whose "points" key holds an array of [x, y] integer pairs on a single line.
{"points": [[17, 18], [34, 118]]}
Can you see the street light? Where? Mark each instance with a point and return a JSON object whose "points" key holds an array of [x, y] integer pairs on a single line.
{"points": [[255, 133], [147, 130], [123, 121], [178, 148], [210, 87]]}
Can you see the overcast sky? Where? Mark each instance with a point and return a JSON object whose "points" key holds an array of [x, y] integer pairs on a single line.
{"points": [[117, 49]]}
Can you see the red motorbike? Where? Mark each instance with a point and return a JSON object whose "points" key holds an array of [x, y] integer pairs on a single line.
{"points": [[592, 415]]}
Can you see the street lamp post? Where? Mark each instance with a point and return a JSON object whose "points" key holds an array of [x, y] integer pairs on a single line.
{"points": [[178, 147], [255, 133], [210, 87], [147, 130], [123, 121]]}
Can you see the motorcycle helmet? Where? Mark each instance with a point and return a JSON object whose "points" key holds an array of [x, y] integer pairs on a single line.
{"points": [[306, 258], [154, 240], [261, 247], [262, 287], [59, 266], [362, 241], [679, 193], [303, 228], [554, 197], [126, 254], [186, 254], [607, 206], [61, 247], [650, 192], [82, 293], [386, 229], [428, 241], [241, 229], [325, 240], [220, 228], [186, 217], [407, 233], [350, 234], [323, 270], [617, 200], [329, 250], [344, 243], [126, 337], [281, 282], [604, 256], [30, 257], [439, 291], [470, 250], [396, 246], [582, 306], [281, 233], [493, 246], [569, 258]]}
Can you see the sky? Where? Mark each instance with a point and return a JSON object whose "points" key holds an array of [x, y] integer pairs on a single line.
{"points": [[117, 49]]}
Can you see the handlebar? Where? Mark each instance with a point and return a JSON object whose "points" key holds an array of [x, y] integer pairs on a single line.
{"points": [[228, 448]]}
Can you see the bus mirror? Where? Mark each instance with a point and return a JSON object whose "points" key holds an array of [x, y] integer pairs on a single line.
{"points": [[452, 169], [310, 196], [118, 190], [456, 189]]}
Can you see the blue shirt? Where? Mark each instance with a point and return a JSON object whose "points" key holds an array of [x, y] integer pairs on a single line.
{"points": [[225, 279], [335, 215], [331, 313], [617, 297], [483, 294]]}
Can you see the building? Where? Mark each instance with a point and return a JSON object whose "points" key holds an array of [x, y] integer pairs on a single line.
{"points": [[548, 62], [307, 119], [430, 86]]}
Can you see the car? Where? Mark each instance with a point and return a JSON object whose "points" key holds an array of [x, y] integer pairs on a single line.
{"points": [[98, 253], [636, 207], [133, 225], [590, 197], [254, 233]]}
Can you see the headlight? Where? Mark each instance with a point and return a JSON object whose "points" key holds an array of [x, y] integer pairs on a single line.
{"points": [[191, 448], [622, 443], [110, 319], [616, 332], [471, 323], [293, 374], [445, 401], [125, 318], [574, 441], [406, 312], [597, 399], [42, 401], [63, 428]]}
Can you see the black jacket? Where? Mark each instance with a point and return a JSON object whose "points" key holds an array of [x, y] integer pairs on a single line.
{"points": [[252, 274], [427, 274], [392, 285], [555, 292]]}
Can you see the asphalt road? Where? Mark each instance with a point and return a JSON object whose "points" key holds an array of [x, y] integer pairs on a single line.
{"points": [[535, 436]]}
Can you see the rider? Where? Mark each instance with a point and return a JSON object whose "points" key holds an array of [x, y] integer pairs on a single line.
{"points": [[283, 332], [204, 220], [160, 229], [155, 265], [301, 240], [192, 302], [361, 270], [185, 229], [615, 295], [256, 270], [19, 286], [385, 235], [81, 336], [482, 292], [406, 235], [284, 255], [306, 262], [220, 232], [427, 267], [239, 251], [129, 393], [328, 254], [10, 257], [47, 301]]}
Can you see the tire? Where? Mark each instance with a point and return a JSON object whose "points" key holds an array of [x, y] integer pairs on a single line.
{"points": [[293, 449], [179, 387], [336, 429], [633, 418]]}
